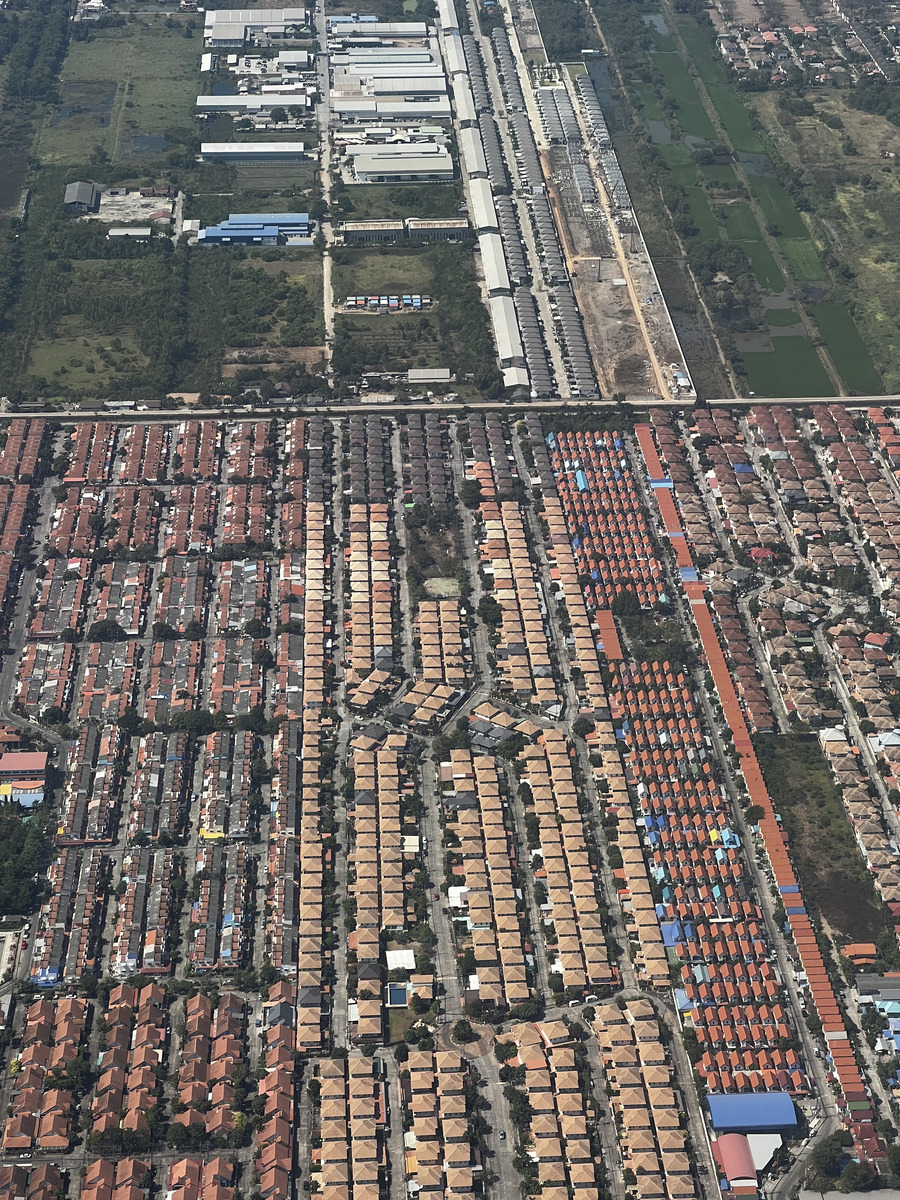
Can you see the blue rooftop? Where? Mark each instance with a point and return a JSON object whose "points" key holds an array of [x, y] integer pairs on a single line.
{"points": [[759, 1112]]}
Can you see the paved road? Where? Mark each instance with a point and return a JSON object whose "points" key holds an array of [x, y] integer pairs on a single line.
{"points": [[298, 406], [339, 1024]]}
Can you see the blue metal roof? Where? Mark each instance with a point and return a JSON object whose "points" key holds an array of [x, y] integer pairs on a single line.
{"points": [[758, 1112], [267, 219]]}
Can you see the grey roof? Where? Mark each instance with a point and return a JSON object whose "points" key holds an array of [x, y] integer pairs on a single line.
{"points": [[81, 193]]}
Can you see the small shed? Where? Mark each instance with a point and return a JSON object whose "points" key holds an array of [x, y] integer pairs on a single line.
{"points": [[131, 233]]}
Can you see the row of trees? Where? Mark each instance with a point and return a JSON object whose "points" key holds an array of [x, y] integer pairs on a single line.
{"points": [[36, 55]]}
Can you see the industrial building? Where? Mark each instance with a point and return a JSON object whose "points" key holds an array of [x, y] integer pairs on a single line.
{"points": [[233, 27], [417, 229], [82, 197], [257, 229], [254, 103], [253, 151], [368, 108], [432, 164]]}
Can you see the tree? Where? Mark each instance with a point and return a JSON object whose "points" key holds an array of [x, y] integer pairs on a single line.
{"points": [[469, 492], [626, 603], [490, 611], [278, 115], [856, 1177], [106, 631], [463, 1032]]}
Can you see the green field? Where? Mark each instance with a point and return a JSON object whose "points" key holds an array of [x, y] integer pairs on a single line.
{"points": [[720, 176], [376, 271], [765, 268], [782, 318], [735, 118], [125, 86], [802, 256], [681, 166], [649, 104], [791, 368], [383, 202], [740, 223], [709, 66], [691, 114], [847, 350], [778, 207], [830, 868], [79, 358], [702, 214]]}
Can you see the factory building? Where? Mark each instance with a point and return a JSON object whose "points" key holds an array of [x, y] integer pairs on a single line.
{"points": [[417, 229], [257, 229], [435, 167], [370, 108], [253, 151], [234, 27]]}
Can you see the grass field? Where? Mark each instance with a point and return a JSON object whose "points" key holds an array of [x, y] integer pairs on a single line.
{"points": [[847, 349], [791, 368], [702, 214], [831, 871], [802, 256], [80, 358], [767, 271], [778, 207], [681, 166], [782, 318], [720, 176], [691, 114], [392, 341], [361, 272], [122, 91], [740, 223], [709, 65], [735, 118], [651, 109], [383, 202]]}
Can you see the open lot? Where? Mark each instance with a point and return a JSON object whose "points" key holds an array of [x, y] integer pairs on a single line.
{"points": [[803, 258], [778, 207], [80, 358], [834, 875], [122, 90], [702, 214], [768, 274], [740, 223], [790, 368], [862, 224], [691, 114], [385, 202], [359, 272], [846, 347]]}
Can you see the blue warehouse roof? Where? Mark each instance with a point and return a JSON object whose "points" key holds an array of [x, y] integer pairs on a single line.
{"points": [[759, 1112]]}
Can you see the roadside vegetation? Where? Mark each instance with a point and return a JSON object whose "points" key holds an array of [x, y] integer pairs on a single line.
{"points": [[833, 874]]}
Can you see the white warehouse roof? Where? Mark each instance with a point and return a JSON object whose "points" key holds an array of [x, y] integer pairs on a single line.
{"points": [[454, 56], [471, 150], [395, 149], [481, 199], [367, 106], [254, 16], [493, 261], [462, 100], [506, 329], [447, 15]]}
